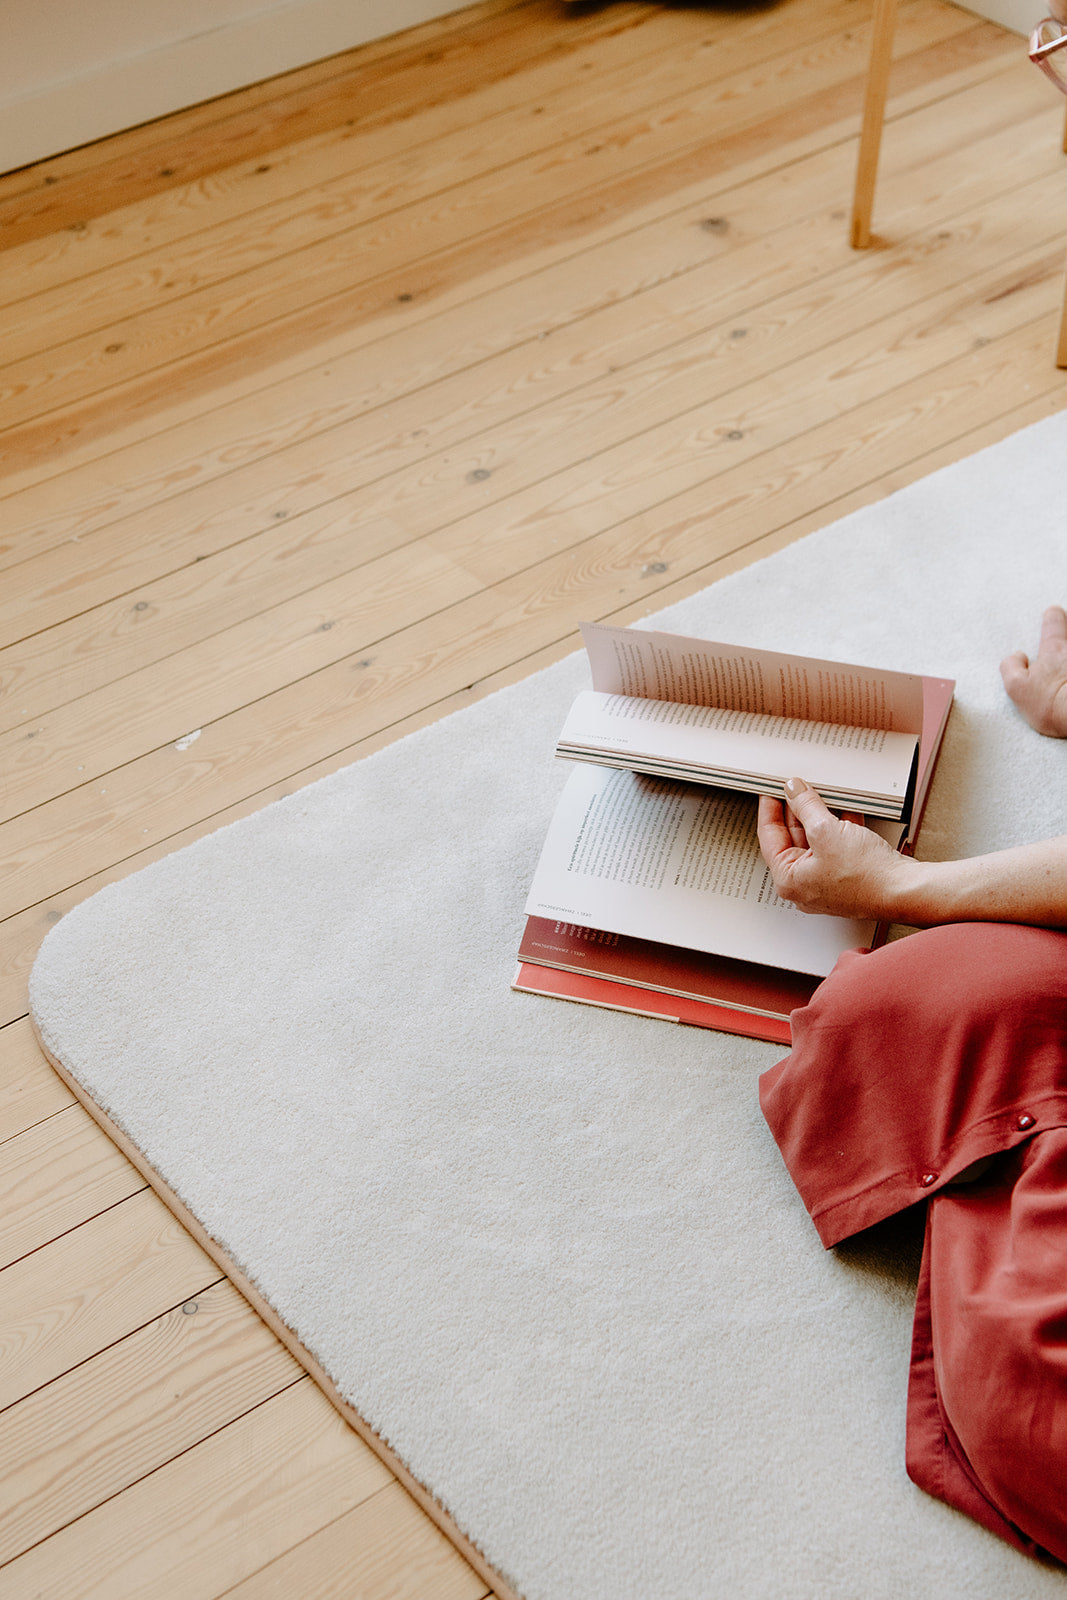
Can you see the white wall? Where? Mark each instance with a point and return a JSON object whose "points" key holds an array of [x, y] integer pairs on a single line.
{"points": [[75, 70]]}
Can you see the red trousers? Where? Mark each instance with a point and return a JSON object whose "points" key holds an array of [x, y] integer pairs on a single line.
{"points": [[910, 1065]]}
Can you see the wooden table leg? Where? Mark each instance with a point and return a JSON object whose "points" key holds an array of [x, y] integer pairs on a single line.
{"points": [[1061, 347], [873, 117]]}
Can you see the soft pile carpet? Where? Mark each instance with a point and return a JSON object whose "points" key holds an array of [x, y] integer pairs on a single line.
{"points": [[550, 1253]]}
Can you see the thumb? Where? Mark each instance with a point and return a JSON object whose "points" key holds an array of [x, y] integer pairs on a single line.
{"points": [[806, 804]]}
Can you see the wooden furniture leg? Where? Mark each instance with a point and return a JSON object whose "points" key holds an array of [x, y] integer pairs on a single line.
{"points": [[1061, 348], [873, 117]]}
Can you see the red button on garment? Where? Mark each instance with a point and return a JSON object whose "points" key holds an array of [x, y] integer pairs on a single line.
{"points": [[927, 1179], [1025, 1121]]}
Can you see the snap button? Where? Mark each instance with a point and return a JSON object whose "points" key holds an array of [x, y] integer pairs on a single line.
{"points": [[1025, 1121], [927, 1179]]}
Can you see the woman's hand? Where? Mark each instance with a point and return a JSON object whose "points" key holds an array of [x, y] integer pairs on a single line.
{"points": [[835, 865], [824, 863], [1039, 686], [820, 862]]}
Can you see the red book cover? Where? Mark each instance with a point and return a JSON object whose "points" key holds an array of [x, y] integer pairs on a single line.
{"points": [[937, 703], [531, 979], [740, 985]]}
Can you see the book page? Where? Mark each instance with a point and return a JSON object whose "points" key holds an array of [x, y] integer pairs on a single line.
{"points": [[669, 666], [672, 862], [744, 749]]}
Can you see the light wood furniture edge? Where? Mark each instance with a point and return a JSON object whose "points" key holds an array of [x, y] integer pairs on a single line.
{"points": [[874, 99], [502, 1590]]}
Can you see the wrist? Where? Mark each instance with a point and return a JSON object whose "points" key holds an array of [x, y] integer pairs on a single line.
{"points": [[932, 892], [911, 891]]}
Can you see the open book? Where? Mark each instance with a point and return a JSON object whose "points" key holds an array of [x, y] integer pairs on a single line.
{"points": [[746, 719], [667, 871]]}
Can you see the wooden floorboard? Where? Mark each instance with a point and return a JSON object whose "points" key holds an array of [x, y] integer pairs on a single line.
{"points": [[283, 285], [414, 251], [389, 79], [328, 407]]}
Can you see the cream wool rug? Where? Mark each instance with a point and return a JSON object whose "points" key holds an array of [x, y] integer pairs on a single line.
{"points": [[550, 1253]]}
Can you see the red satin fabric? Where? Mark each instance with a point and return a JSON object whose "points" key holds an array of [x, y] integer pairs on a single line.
{"points": [[909, 1065]]}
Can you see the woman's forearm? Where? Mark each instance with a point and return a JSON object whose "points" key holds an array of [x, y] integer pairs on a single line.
{"points": [[1024, 884]]}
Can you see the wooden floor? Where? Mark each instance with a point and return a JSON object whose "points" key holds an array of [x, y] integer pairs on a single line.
{"points": [[328, 407]]}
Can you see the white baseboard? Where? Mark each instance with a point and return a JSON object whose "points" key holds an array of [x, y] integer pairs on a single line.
{"points": [[166, 79], [1017, 16]]}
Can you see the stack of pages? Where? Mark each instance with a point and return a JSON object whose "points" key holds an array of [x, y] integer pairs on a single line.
{"points": [[651, 894]]}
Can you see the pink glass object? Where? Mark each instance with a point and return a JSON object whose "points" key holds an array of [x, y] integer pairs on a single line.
{"points": [[1048, 50]]}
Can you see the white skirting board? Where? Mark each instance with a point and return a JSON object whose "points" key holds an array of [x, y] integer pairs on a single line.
{"points": [[45, 119], [1018, 16]]}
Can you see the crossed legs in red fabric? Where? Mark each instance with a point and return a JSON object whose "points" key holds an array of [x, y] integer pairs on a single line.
{"points": [[911, 1065]]}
